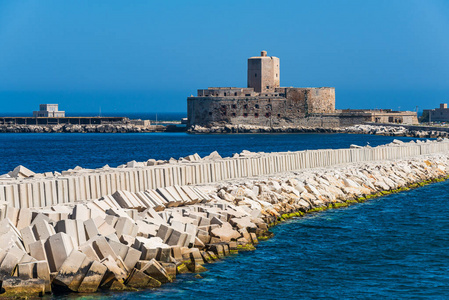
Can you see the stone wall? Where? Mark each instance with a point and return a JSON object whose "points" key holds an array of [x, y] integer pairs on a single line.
{"points": [[287, 106], [440, 114]]}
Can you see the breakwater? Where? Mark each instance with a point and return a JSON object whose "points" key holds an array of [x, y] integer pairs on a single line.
{"points": [[400, 130], [376, 129], [22, 188], [136, 239], [88, 128]]}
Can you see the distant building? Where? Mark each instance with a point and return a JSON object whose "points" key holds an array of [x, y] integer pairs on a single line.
{"points": [[265, 103], [48, 110], [438, 114]]}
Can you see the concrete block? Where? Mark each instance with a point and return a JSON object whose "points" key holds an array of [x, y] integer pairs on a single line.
{"points": [[93, 278], [24, 218], [37, 250], [156, 271], [176, 238], [226, 233], [164, 255], [191, 230], [118, 248], [89, 251], [170, 200], [196, 257], [139, 280], [7, 226], [103, 227], [12, 214], [80, 212], [146, 229], [42, 229], [35, 270], [103, 248], [125, 226], [157, 199], [90, 229], [9, 196], [69, 227], [143, 197], [132, 257], [164, 232], [13, 256], [72, 271], [21, 172], [151, 213], [10, 239], [114, 273], [176, 253], [27, 237], [57, 248], [127, 240], [16, 288]]}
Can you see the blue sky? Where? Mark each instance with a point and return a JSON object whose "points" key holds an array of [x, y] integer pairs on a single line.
{"points": [[148, 56]]}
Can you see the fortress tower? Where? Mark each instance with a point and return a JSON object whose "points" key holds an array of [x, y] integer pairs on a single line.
{"points": [[263, 73]]}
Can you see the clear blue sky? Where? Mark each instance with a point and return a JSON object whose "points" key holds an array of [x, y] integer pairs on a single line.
{"points": [[148, 56]]}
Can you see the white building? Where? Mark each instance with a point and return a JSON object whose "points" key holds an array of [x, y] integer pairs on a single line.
{"points": [[48, 110]]}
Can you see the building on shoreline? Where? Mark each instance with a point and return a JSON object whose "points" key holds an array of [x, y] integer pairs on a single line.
{"points": [[48, 110], [440, 114], [265, 103]]}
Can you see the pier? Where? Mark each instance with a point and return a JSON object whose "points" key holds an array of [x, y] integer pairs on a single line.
{"points": [[62, 120]]}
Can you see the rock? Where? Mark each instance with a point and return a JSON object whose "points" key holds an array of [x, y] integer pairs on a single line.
{"points": [[213, 156], [93, 278], [156, 271], [15, 287], [21, 172], [57, 248], [138, 279], [226, 233], [72, 272], [35, 270]]}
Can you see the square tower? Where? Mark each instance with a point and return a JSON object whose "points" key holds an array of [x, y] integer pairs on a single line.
{"points": [[263, 73]]}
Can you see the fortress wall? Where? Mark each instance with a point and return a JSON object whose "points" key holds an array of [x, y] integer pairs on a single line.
{"points": [[93, 184], [310, 100], [263, 110]]}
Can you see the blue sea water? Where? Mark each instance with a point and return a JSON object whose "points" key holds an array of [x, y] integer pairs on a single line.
{"points": [[391, 247]]}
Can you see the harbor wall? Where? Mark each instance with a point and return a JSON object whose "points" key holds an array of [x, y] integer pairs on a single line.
{"points": [[77, 185]]}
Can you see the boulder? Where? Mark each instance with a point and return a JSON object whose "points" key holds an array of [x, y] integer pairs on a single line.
{"points": [[226, 233]]}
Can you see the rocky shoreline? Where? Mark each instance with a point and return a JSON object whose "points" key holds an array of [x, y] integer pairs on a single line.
{"points": [[139, 240], [132, 128], [73, 128], [356, 129]]}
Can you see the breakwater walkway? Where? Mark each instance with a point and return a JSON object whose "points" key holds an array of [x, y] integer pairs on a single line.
{"points": [[139, 225], [26, 189]]}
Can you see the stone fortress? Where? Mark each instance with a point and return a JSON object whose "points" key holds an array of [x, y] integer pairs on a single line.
{"points": [[265, 103]]}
